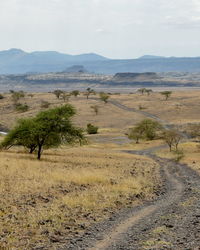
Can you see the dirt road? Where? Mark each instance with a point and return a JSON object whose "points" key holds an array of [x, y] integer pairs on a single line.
{"points": [[172, 221]]}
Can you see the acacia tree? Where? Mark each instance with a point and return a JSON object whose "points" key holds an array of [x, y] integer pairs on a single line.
{"points": [[75, 93], [146, 129], [65, 96], [48, 129], [172, 138], [58, 93], [142, 90], [148, 91], [135, 134], [89, 91], [167, 94]]}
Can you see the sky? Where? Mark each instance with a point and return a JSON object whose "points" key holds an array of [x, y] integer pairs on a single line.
{"points": [[112, 28]]}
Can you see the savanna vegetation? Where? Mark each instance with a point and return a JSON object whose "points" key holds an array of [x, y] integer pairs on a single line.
{"points": [[76, 184]]}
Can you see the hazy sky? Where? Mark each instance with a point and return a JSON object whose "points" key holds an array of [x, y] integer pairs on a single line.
{"points": [[113, 28]]}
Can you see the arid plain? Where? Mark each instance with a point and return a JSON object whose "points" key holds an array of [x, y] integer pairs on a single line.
{"points": [[45, 204]]}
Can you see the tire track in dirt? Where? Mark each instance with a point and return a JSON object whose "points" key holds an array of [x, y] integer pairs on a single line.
{"points": [[173, 195]]}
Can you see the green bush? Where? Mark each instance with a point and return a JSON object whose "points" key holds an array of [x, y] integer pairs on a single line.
{"points": [[91, 129]]}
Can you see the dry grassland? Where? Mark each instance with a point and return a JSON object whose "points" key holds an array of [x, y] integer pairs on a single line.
{"points": [[42, 203], [110, 117], [182, 107]]}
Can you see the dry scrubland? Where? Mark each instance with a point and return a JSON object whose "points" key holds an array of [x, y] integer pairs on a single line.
{"points": [[44, 203], [181, 108]]}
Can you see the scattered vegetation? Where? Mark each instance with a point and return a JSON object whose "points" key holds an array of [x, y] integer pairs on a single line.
{"points": [[148, 91], [146, 129], [142, 90], [89, 91], [69, 190], [21, 107], [58, 93], [75, 93], [91, 129], [172, 137], [167, 94], [65, 96], [104, 97]]}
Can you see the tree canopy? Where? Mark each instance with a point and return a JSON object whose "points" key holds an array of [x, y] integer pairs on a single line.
{"points": [[47, 129]]}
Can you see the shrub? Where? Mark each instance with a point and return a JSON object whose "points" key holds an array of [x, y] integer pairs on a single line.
{"points": [[21, 107], [104, 97], [1, 96], [179, 155], [91, 129]]}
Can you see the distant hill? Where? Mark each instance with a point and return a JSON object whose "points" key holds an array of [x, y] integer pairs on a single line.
{"points": [[150, 57], [16, 61]]}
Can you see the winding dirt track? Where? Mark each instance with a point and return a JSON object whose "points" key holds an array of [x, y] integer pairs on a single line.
{"points": [[175, 192], [174, 215]]}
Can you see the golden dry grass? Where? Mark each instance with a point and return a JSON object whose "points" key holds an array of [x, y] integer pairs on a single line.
{"points": [[191, 152], [182, 107], [44, 202]]}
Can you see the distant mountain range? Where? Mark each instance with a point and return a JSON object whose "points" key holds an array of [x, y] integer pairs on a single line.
{"points": [[16, 61]]}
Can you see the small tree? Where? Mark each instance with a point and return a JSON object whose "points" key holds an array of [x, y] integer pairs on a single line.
{"points": [[167, 94], [75, 93], [91, 129], [142, 90], [148, 91], [172, 138], [46, 130], [135, 134], [95, 108], [104, 97], [146, 129], [89, 91], [66, 96], [58, 93]]}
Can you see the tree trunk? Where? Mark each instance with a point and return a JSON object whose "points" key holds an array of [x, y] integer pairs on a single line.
{"points": [[39, 152], [32, 150]]}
